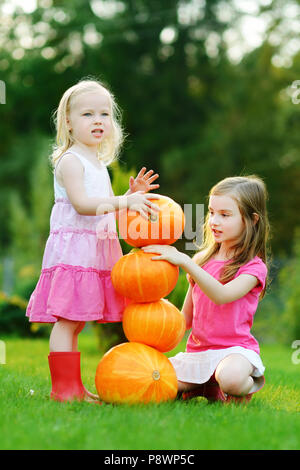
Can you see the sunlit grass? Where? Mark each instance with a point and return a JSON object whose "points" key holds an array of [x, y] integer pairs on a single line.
{"points": [[30, 420]]}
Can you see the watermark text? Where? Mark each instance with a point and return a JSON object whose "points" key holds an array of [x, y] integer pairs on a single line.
{"points": [[296, 94], [296, 354], [2, 92], [2, 352], [187, 224]]}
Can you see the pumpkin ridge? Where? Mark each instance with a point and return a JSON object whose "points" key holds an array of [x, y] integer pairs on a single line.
{"points": [[141, 393], [136, 360], [163, 321], [123, 267], [151, 361], [166, 280], [140, 289], [147, 315], [173, 325], [168, 384]]}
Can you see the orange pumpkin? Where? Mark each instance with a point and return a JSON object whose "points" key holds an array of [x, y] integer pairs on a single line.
{"points": [[138, 277], [135, 373], [163, 229], [157, 324]]}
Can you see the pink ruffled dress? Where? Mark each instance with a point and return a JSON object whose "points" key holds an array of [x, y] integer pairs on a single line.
{"points": [[75, 281]]}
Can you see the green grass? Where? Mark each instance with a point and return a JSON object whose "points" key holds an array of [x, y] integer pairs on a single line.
{"points": [[32, 421]]}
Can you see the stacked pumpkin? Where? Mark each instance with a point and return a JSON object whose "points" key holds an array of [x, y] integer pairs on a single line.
{"points": [[138, 371]]}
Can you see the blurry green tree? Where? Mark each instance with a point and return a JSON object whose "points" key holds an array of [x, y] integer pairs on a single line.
{"points": [[190, 113]]}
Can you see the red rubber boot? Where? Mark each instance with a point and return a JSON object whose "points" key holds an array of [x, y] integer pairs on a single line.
{"points": [[65, 376]]}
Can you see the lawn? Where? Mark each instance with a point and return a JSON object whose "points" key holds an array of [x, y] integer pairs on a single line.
{"points": [[30, 420]]}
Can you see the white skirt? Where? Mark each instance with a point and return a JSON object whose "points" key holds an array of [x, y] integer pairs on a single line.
{"points": [[199, 367]]}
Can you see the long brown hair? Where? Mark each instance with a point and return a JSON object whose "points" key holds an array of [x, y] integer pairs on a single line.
{"points": [[250, 194]]}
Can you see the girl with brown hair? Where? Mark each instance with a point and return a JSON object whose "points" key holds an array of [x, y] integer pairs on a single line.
{"points": [[227, 279]]}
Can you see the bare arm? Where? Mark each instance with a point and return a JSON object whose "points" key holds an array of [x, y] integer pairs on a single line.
{"points": [[187, 308], [72, 174], [214, 289]]}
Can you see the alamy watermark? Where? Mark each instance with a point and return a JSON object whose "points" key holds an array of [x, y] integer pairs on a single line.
{"points": [[296, 354], [2, 352], [171, 226], [2, 92]]}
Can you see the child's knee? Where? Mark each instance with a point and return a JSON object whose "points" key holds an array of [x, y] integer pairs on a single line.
{"points": [[69, 325], [230, 383], [233, 382]]}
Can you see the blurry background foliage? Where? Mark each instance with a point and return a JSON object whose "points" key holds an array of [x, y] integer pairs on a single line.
{"points": [[206, 92]]}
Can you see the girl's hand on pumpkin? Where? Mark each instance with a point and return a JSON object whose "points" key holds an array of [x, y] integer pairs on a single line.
{"points": [[143, 181], [139, 202], [167, 253]]}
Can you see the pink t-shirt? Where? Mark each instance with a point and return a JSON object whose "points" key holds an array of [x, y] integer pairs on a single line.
{"points": [[223, 326]]}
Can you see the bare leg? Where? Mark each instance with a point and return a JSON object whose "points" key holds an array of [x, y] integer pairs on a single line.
{"points": [[75, 335], [186, 386], [64, 338], [61, 338], [233, 375], [75, 348]]}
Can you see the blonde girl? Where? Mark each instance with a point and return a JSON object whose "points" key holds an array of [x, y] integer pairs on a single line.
{"points": [[75, 284], [227, 279]]}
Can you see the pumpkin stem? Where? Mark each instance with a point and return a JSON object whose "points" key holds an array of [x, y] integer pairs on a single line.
{"points": [[156, 375], [135, 250]]}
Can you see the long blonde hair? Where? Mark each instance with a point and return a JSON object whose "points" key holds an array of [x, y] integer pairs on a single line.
{"points": [[250, 194], [109, 149]]}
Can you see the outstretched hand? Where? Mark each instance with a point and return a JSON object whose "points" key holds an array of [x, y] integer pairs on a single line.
{"points": [[167, 253], [143, 181]]}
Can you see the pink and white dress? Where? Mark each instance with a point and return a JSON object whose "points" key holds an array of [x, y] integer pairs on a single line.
{"points": [[81, 250]]}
